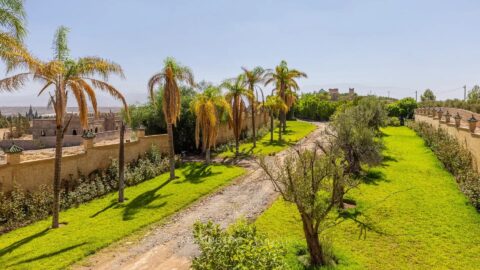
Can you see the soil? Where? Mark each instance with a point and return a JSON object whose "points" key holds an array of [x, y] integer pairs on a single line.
{"points": [[170, 245]]}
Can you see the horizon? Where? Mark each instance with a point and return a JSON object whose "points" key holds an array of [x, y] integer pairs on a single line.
{"points": [[369, 46]]}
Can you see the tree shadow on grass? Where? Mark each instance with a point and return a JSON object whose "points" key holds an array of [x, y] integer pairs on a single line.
{"points": [[50, 254], [373, 177], [387, 159], [196, 173], [144, 200], [112, 204], [22, 242]]}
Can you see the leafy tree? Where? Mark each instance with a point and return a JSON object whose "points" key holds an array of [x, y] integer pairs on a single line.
{"points": [[238, 247], [372, 111], [305, 179], [285, 84], [427, 96], [357, 142], [171, 74], [150, 115], [66, 75], [274, 105], [236, 91], [474, 94], [253, 78], [208, 108]]}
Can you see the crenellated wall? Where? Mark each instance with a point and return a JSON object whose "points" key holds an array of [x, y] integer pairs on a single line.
{"points": [[462, 131], [32, 174]]}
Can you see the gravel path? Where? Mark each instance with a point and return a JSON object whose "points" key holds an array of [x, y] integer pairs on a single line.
{"points": [[170, 246]]}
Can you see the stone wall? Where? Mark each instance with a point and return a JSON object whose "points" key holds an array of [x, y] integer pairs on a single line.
{"points": [[463, 132], [32, 174]]}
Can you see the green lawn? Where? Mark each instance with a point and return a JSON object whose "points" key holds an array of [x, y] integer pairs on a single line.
{"points": [[296, 130], [97, 224], [427, 223]]}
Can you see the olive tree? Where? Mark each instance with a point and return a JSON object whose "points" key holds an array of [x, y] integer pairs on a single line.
{"points": [[308, 178]]}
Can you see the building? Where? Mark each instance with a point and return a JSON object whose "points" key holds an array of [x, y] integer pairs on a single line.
{"points": [[46, 127]]}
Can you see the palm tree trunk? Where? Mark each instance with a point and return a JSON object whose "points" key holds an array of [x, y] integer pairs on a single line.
{"points": [[121, 164], [171, 152], [56, 177], [207, 156], [271, 127], [253, 126], [280, 132]]}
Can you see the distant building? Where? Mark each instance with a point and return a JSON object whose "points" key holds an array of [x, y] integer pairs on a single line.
{"points": [[334, 93], [47, 126]]}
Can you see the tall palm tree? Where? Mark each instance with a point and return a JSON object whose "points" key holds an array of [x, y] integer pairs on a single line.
{"points": [[274, 105], [171, 74], [236, 91], [208, 107], [12, 32], [254, 77], [67, 76], [284, 79]]}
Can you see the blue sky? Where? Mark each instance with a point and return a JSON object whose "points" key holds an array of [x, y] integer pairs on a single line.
{"points": [[374, 46]]}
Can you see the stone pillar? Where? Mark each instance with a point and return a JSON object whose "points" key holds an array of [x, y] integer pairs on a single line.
{"points": [[472, 124], [141, 132], [440, 114], [458, 120], [88, 140], [13, 154], [447, 117]]}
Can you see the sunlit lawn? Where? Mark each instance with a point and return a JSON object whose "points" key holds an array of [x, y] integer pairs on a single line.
{"points": [[96, 224], [427, 222], [296, 130]]}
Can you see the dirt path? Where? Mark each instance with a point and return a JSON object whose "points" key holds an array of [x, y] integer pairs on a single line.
{"points": [[170, 246]]}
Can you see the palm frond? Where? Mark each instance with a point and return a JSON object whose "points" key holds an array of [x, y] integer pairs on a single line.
{"points": [[60, 44], [113, 92], [14, 82]]}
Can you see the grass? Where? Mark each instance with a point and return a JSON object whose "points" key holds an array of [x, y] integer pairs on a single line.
{"points": [[424, 220], [96, 224], [296, 130]]}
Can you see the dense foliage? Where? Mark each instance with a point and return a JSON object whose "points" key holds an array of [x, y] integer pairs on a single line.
{"points": [[20, 207], [152, 118], [238, 247], [403, 108], [316, 106], [455, 157]]}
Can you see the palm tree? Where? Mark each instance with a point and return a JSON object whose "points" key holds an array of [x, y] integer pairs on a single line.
{"points": [[208, 107], [236, 91], [274, 105], [168, 79], [67, 76], [12, 32], [253, 78], [284, 79]]}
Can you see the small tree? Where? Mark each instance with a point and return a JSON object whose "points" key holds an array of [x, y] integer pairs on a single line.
{"points": [[357, 143], [274, 105], [474, 94], [427, 96], [305, 179], [208, 107]]}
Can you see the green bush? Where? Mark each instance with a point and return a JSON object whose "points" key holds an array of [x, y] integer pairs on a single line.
{"points": [[393, 121], [20, 207], [454, 156], [316, 106], [239, 247]]}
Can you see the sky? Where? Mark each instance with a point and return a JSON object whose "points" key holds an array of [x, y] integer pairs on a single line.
{"points": [[378, 47]]}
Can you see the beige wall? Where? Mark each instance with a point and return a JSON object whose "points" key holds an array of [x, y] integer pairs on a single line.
{"points": [[32, 174], [463, 134]]}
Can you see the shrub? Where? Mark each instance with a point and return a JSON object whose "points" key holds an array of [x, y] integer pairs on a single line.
{"points": [[454, 156], [20, 207], [239, 247], [393, 121]]}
